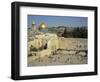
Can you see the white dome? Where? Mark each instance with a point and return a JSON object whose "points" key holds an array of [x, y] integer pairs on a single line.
{"points": [[33, 22]]}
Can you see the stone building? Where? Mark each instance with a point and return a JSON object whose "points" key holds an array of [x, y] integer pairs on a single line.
{"points": [[33, 26]]}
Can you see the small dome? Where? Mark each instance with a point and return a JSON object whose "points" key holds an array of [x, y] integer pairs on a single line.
{"points": [[42, 26], [33, 22]]}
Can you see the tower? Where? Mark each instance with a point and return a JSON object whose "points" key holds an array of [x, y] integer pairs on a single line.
{"points": [[33, 26]]}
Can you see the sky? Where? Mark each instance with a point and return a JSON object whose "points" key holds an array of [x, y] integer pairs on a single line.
{"points": [[54, 21]]}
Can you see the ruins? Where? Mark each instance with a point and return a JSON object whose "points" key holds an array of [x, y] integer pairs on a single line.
{"points": [[42, 43], [47, 47]]}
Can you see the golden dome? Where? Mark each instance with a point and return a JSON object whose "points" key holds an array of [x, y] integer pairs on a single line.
{"points": [[42, 26]]}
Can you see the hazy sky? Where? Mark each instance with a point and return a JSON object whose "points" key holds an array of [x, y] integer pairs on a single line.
{"points": [[52, 21]]}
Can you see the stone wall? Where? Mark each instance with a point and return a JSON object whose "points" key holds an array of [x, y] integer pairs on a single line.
{"points": [[43, 44]]}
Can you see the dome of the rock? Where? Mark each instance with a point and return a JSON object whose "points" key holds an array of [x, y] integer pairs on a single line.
{"points": [[42, 26]]}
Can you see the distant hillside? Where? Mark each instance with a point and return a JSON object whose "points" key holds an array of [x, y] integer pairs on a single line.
{"points": [[67, 32], [75, 32]]}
